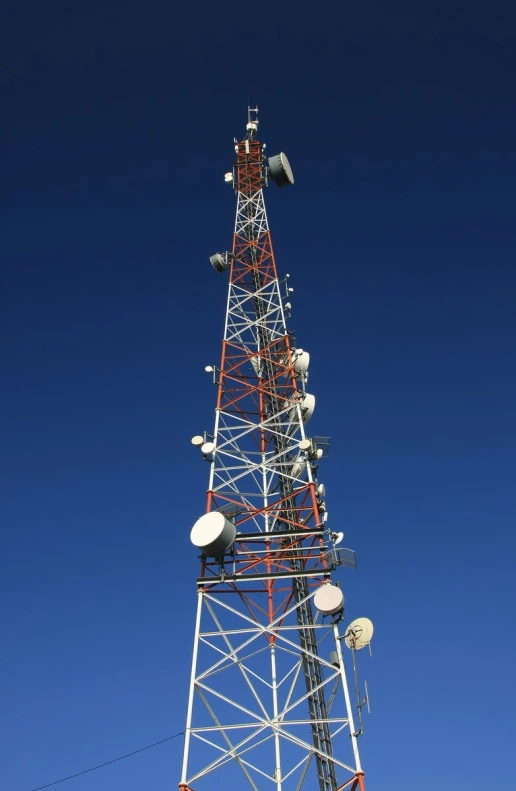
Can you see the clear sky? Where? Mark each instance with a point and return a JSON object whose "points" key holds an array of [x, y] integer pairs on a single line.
{"points": [[118, 121]]}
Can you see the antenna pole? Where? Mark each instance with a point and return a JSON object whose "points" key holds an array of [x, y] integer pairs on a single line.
{"points": [[338, 648]]}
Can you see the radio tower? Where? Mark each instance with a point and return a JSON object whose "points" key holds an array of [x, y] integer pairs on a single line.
{"points": [[269, 703]]}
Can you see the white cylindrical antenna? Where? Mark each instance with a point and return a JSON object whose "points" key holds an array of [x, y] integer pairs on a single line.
{"points": [[213, 534]]}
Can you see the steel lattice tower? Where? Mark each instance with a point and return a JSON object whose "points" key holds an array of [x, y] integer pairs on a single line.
{"points": [[268, 703]]}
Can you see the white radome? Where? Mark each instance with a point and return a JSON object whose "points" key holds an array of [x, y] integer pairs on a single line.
{"points": [[213, 534], [329, 599]]}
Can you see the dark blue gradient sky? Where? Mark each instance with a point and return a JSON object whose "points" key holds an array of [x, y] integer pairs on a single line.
{"points": [[117, 126]]}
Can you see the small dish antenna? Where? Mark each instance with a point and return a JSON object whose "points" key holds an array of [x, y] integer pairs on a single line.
{"points": [[321, 491], [197, 441], [207, 448], [228, 177], [359, 634], [337, 538], [305, 444], [329, 599]]}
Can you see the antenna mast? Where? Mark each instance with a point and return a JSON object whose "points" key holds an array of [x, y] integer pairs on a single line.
{"points": [[268, 703]]}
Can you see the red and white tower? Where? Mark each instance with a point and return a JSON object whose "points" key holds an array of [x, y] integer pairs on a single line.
{"points": [[269, 704]]}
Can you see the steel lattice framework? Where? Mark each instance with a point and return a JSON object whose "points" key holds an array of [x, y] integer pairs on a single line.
{"points": [[267, 705]]}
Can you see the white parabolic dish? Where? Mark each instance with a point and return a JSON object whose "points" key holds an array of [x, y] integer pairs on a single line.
{"points": [[359, 633], [213, 534], [329, 599], [307, 406]]}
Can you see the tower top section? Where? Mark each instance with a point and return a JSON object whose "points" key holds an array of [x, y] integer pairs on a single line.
{"points": [[253, 169]]}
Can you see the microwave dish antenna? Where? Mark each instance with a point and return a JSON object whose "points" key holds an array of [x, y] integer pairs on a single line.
{"points": [[359, 634]]}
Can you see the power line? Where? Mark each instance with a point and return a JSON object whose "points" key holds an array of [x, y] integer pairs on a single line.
{"points": [[113, 761]]}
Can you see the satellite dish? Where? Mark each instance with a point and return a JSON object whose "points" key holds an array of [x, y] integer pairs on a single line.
{"points": [[197, 441], [280, 170], [207, 448], [359, 633], [305, 444]]}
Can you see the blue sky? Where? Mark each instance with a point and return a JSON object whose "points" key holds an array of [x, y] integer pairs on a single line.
{"points": [[399, 236]]}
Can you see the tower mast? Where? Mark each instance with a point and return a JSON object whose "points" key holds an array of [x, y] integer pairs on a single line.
{"points": [[268, 704]]}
